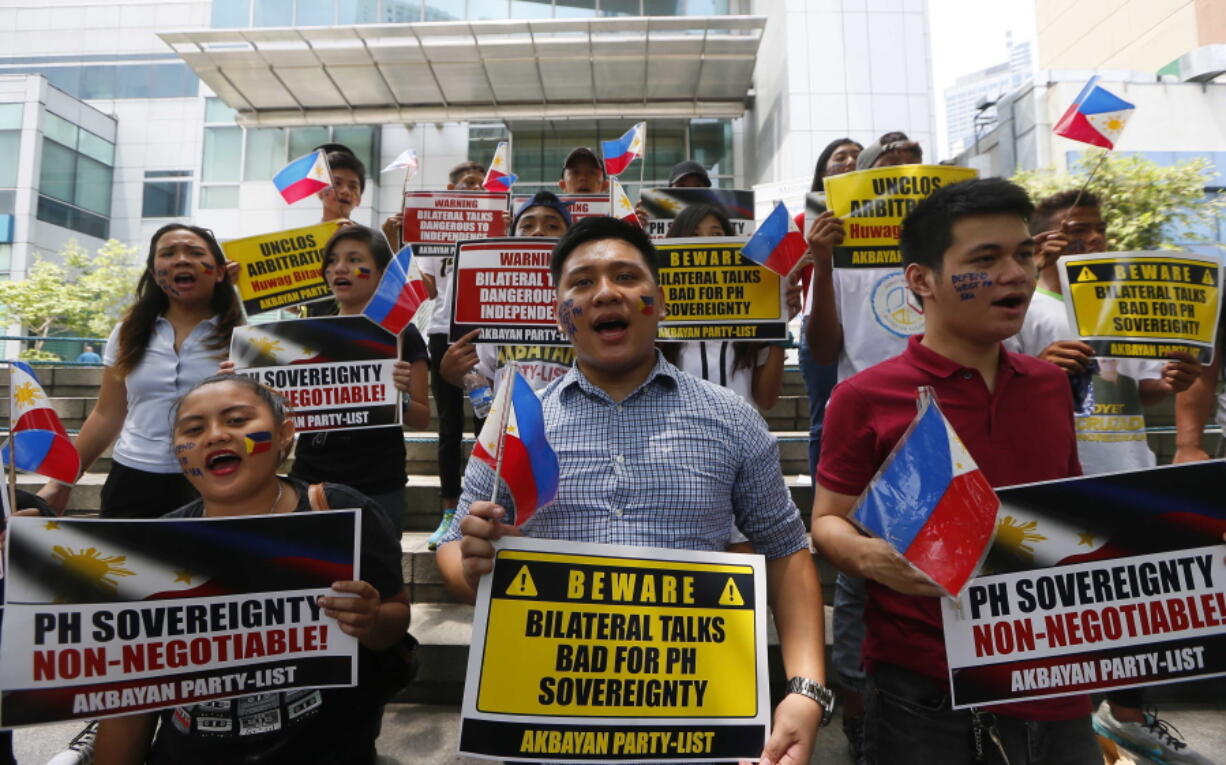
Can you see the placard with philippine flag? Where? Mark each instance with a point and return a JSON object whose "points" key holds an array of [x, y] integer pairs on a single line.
{"points": [[107, 617], [608, 653], [334, 371]]}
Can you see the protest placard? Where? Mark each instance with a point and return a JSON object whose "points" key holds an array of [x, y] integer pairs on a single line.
{"points": [[580, 205], [334, 371], [503, 287], [1143, 305], [280, 269], [435, 220], [714, 293], [1098, 582], [586, 653], [663, 205], [872, 204], [111, 617]]}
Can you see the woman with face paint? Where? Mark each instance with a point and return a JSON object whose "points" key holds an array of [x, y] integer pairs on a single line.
{"points": [[752, 369], [172, 337], [370, 460], [230, 434]]}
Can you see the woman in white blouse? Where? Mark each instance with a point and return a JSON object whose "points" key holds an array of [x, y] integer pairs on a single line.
{"points": [[172, 337]]}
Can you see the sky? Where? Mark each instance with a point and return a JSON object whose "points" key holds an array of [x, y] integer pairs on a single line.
{"points": [[969, 35]]}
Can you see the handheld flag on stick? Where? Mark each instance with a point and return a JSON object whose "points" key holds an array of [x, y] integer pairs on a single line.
{"points": [[399, 294], [620, 152], [406, 159], [38, 442], [499, 177], [303, 177], [513, 443], [1097, 116], [619, 204], [930, 502], [777, 244]]}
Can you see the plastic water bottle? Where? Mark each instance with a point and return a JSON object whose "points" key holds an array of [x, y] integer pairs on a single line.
{"points": [[479, 393]]}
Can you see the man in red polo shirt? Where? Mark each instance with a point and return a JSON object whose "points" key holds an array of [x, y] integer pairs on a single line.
{"points": [[1013, 412]]}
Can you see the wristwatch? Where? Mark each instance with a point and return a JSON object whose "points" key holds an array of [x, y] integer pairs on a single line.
{"points": [[816, 691]]}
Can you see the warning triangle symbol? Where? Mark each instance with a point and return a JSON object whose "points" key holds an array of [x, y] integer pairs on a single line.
{"points": [[1208, 278], [731, 596], [522, 585], [1086, 275]]}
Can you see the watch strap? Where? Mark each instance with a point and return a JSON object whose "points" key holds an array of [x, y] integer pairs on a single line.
{"points": [[816, 691]]}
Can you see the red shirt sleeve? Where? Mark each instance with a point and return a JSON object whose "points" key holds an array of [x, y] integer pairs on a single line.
{"points": [[849, 443]]}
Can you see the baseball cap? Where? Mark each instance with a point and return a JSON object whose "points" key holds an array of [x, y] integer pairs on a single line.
{"points": [[688, 167], [582, 153], [543, 199]]}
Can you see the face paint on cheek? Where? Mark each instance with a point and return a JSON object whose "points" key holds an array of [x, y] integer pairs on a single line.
{"points": [[185, 447], [363, 272], [161, 277], [196, 472], [206, 267], [647, 305], [258, 442], [566, 316], [967, 285]]}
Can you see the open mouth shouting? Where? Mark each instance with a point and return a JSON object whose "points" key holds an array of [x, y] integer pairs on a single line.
{"points": [[1013, 303], [610, 328], [222, 462]]}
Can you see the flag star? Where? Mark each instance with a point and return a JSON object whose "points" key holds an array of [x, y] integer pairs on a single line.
{"points": [[51, 525], [27, 393], [1085, 538], [184, 576]]}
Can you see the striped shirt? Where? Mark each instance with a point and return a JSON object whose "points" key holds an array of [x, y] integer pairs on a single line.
{"points": [[672, 465]]}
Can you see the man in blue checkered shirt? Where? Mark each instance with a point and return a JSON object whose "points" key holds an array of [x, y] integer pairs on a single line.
{"points": [[652, 456]]}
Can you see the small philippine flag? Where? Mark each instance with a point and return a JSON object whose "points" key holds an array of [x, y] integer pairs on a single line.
{"points": [[619, 204], [529, 464], [1097, 116], [777, 244], [363, 272], [620, 152], [499, 177], [930, 501], [303, 177], [399, 294], [38, 442], [258, 442]]}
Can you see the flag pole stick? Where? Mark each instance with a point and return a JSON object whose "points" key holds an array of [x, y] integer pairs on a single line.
{"points": [[508, 377], [11, 469], [1077, 199]]}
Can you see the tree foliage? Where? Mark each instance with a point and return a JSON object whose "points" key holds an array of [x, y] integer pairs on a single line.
{"points": [[84, 296], [1145, 204]]}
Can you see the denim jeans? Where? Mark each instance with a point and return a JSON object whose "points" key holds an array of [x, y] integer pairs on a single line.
{"points": [[819, 380], [908, 720], [848, 631]]}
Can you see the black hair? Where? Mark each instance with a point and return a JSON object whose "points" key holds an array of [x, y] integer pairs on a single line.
{"points": [[598, 228], [152, 302], [459, 170], [1062, 200], [927, 231], [274, 400], [347, 160], [374, 241], [686, 222], [823, 159]]}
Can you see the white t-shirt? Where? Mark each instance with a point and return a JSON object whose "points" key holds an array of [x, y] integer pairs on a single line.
{"points": [[441, 269], [878, 314], [712, 360], [1111, 421], [161, 377], [539, 364]]}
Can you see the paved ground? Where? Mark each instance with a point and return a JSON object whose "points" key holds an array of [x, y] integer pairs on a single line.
{"points": [[427, 734]]}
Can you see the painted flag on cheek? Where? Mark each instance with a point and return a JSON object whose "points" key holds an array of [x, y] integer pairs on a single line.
{"points": [[529, 466], [258, 442], [930, 501]]}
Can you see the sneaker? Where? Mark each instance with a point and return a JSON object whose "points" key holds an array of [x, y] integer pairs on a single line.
{"points": [[853, 729], [1155, 739], [80, 750], [443, 525]]}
